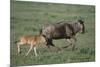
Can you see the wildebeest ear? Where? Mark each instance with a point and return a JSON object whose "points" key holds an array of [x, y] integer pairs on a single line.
{"points": [[81, 21]]}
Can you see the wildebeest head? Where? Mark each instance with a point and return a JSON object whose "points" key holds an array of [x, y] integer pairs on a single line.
{"points": [[82, 27]]}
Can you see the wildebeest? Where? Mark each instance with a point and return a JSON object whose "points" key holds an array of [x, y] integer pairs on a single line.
{"points": [[62, 30], [31, 40]]}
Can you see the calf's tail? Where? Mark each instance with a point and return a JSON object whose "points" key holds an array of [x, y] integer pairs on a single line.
{"points": [[16, 41]]}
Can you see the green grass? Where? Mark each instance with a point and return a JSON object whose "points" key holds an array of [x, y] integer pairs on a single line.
{"points": [[29, 17]]}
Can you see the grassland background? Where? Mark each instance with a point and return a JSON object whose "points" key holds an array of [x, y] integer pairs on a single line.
{"points": [[29, 17]]}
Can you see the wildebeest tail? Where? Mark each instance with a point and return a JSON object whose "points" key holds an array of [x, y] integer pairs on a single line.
{"points": [[40, 31]]}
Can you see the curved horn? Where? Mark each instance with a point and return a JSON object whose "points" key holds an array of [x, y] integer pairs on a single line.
{"points": [[81, 21]]}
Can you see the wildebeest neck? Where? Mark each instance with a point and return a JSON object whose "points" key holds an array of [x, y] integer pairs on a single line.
{"points": [[75, 27]]}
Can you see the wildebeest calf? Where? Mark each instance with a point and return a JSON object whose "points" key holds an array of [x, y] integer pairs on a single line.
{"points": [[31, 40]]}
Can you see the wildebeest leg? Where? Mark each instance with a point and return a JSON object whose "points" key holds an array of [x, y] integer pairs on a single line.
{"points": [[70, 43], [74, 38], [54, 46], [73, 43], [50, 43]]}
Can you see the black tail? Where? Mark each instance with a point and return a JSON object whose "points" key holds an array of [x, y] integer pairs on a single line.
{"points": [[40, 31]]}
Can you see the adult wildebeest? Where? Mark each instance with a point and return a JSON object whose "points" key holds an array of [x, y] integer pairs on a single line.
{"points": [[61, 30]]}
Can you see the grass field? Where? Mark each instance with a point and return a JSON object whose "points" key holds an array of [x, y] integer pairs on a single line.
{"points": [[29, 17]]}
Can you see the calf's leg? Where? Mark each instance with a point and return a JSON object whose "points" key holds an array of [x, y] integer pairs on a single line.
{"points": [[31, 46], [35, 51], [18, 47]]}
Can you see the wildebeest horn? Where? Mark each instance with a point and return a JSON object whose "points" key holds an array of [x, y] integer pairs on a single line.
{"points": [[81, 21]]}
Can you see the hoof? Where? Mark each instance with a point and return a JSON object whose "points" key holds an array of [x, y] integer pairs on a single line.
{"points": [[19, 52]]}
